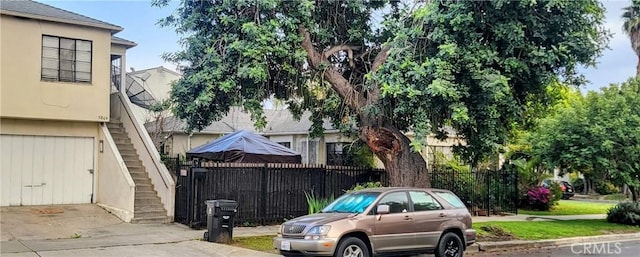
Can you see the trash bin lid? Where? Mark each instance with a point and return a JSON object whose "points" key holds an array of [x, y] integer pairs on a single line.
{"points": [[222, 203]]}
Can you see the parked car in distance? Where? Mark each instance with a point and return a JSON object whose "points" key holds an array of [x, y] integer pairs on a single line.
{"points": [[567, 189], [382, 221]]}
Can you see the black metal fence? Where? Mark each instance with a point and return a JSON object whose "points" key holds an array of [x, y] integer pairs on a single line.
{"points": [[272, 193]]}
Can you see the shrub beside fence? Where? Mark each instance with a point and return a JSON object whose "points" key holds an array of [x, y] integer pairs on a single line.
{"points": [[272, 193]]}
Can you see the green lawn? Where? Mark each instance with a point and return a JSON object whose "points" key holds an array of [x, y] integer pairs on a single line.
{"points": [[537, 230], [258, 243], [569, 207]]}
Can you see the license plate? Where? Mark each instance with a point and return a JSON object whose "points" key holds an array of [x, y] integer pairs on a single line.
{"points": [[285, 246]]}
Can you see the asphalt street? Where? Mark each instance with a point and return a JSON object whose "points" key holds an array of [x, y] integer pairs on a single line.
{"points": [[619, 248]]}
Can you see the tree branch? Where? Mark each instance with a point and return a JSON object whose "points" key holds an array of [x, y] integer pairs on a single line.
{"points": [[340, 84], [380, 58], [374, 94], [339, 48]]}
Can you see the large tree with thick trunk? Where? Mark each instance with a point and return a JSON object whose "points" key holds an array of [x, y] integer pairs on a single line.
{"points": [[381, 69]]}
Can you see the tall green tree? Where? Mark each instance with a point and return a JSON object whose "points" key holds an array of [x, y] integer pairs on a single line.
{"points": [[631, 26], [598, 135], [380, 69]]}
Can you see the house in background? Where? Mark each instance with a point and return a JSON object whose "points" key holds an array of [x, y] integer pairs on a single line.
{"points": [[282, 128], [68, 134], [149, 87]]}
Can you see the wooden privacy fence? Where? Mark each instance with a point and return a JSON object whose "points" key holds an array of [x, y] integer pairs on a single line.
{"points": [[271, 193], [266, 193]]}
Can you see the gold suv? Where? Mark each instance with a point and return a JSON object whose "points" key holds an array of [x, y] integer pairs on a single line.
{"points": [[382, 221]]}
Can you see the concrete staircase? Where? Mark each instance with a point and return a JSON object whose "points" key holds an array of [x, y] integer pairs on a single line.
{"points": [[147, 205]]}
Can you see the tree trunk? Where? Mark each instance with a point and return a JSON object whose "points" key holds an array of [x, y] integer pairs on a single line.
{"points": [[404, 166], [638, 67], [634, 193]]}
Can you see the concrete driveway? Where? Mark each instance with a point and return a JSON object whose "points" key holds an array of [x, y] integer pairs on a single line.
{"points": [[88, 230]]}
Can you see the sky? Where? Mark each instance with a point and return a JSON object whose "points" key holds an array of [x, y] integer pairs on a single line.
{"points": [[139, 18]]}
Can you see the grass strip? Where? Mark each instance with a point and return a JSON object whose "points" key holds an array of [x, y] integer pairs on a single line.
{"points": [[570, 207], [538, 230]]}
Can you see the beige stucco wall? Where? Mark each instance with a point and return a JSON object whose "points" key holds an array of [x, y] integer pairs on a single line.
{"points": [[282, 138], [115, 190], [48, 128], [182, 143], [24, 95]]}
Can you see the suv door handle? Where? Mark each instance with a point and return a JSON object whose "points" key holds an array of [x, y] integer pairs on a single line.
{"points": [[442, 215], [407, 218]]}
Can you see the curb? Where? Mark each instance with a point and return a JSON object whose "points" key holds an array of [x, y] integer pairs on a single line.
{"points": [[518, 244]]}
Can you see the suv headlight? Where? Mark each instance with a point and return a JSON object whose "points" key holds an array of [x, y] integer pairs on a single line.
{"points": [[317, 232]]}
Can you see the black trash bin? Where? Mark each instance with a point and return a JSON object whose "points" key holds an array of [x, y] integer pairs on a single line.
{"points": [[220, 215]]}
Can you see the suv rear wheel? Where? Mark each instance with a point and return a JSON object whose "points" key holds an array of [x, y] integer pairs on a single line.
{"points": [[351, 247], [450, 245]]}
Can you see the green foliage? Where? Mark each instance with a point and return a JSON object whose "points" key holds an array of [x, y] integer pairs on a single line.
{"points": [[365, 185], [360, 155], [442, 163], [625, 213], [598, 135], [315, 203], [467, 65], [556, 193], [578, 184], [605, 187]]}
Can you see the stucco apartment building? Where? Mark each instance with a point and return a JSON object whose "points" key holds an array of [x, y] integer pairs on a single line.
{"points": [[67, 132]]}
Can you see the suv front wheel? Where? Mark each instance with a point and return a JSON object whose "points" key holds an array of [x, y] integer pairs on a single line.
{"points": [[351, 247], [450, 245]]}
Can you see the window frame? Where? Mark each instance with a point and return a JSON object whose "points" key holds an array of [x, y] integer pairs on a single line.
{"points": [[409, 208], [434, 198], [59, 60], [286, 144]]}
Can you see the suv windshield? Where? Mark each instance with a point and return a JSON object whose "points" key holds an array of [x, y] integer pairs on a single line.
{"points": [[355, 202]]}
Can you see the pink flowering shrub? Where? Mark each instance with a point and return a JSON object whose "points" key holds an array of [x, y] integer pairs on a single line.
{"points": [[539, 198]]}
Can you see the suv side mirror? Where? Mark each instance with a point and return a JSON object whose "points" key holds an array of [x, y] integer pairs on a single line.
{"points": [[382, 209]]}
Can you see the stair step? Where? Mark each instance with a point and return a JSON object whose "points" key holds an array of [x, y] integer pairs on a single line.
{"points": [[149, 208], [131, 160], [142, 181], [145, 194], [147, 205], [127, 150], [135, 169], [138, 175], [144, 187], [150, 220]]}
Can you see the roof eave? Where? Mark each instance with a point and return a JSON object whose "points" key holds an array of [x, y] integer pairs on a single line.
{"points": [[113, 29], [125, 44]]}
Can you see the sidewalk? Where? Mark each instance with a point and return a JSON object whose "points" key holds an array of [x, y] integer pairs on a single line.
{"points": [[88, 230], [85, 230]]}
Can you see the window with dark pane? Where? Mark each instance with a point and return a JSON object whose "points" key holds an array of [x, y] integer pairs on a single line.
{"points": [[341, 154], [66, 59], [285, 144]]}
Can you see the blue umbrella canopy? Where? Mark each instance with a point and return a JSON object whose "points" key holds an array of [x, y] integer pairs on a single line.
{"points": [[245, 146]]}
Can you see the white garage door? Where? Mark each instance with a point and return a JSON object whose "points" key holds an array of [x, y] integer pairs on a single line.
{"points": [[42, 170]]}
